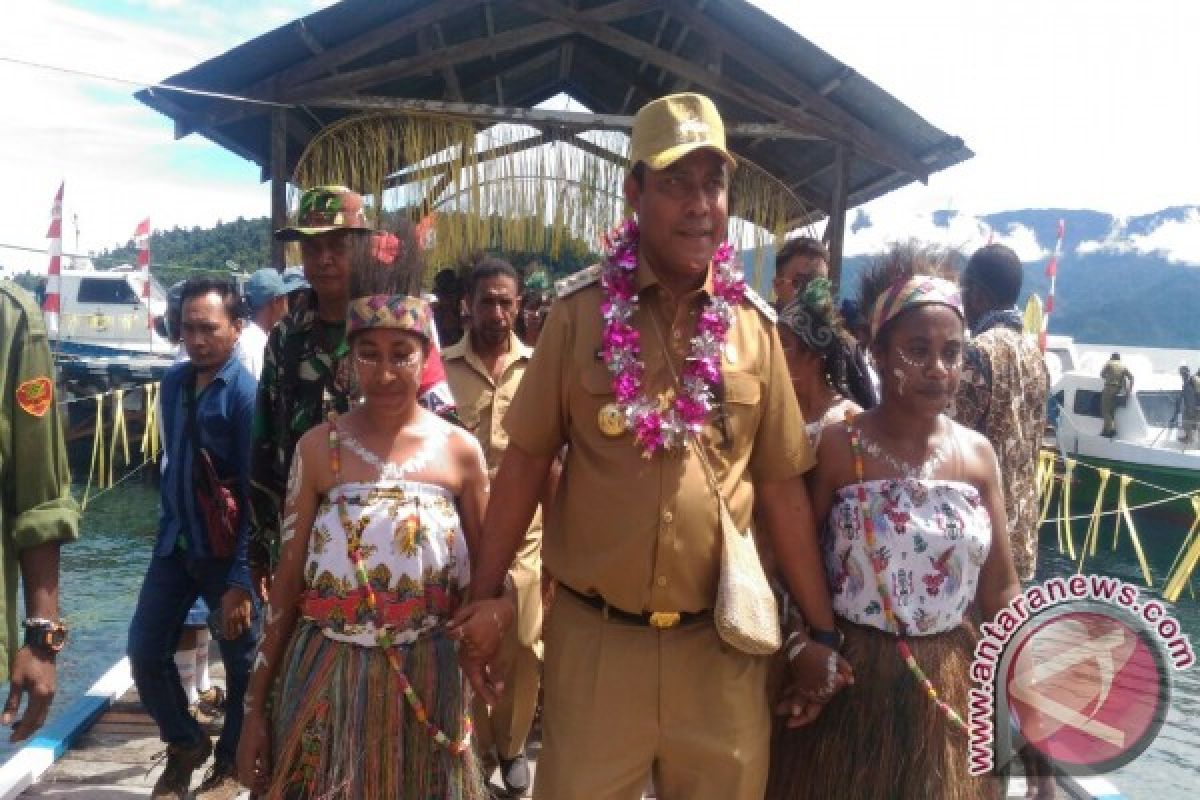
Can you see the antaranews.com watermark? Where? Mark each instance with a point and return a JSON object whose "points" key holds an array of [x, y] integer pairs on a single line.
{"points": [[1082, 667]]}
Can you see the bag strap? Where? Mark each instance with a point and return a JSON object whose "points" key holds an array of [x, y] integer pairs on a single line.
{"points": [[191, 400]]}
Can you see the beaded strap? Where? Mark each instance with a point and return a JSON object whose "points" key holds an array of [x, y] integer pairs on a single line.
{"points": [[383, 636], [885, 596]]}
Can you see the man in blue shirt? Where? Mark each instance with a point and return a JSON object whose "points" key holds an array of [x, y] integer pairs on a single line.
{"points": [[207, 402]]}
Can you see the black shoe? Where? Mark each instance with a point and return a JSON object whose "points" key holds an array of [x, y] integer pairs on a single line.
{"points": [[514, 772], [182, 761]]}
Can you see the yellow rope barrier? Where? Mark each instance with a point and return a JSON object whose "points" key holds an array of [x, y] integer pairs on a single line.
{"points": [[1183, 574], [1123, 507], [1093, 529], [96, 468], [1064, 520], [120, 434], [150, 430]]}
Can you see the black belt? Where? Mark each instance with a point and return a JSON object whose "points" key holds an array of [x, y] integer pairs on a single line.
{"points": [[652, 619]]}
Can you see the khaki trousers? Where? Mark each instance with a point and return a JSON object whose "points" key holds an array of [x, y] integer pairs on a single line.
{"points": [[504, 727], [624, 702]]}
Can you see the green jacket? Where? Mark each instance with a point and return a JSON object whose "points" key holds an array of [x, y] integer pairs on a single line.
{"points": [[35, 492]]}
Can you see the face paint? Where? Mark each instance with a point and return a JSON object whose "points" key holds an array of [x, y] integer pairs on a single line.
{"points": [[909, 361], [901, 379]]}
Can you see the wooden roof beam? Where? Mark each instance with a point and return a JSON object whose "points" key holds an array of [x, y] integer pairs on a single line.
{"points": [[865, 139], [538, 117], [517, 70], [680, 38], [718, 84], [453, 88], [658, 34], [310, 41], [513, 39]]}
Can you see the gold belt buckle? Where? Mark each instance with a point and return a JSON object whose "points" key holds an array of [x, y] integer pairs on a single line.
{"points": [[664, 619]]}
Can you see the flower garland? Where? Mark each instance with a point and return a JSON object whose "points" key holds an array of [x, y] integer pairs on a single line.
{"points": [[663, 425]]}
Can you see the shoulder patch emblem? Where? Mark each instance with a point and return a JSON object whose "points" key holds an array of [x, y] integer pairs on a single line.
{"points": [[35, 395], [755, 299], [576, 281]]}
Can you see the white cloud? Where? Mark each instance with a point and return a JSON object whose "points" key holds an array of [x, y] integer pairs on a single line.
{"points": [[962, 231], [1177, 240], [118, 158]]}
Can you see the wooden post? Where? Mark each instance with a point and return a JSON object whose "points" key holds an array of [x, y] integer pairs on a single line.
{"points": [[279, 173], [835, 228]]}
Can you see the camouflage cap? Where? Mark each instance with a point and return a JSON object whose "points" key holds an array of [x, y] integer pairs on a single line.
{"points": [[667, 129], [323, 209]]}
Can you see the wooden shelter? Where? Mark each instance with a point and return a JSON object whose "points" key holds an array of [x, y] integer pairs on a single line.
{"points": [[830, 137]]}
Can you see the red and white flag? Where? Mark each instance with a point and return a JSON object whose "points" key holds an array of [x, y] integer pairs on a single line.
{"points": [[50, 305], [141, 239], [1052, 274]]}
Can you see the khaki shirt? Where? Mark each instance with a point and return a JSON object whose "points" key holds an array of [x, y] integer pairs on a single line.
{"points": [[482, 401], [644, 533]]}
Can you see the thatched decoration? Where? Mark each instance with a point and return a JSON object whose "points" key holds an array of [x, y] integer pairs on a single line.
{"points": [[511, 187]]}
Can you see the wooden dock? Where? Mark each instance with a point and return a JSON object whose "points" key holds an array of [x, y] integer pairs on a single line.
{"points": [[106, 748]]}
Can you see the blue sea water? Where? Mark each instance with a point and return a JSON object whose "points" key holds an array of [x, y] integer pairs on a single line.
{"points": [[101, 575]]}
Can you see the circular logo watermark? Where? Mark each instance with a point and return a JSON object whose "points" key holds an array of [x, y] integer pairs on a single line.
{"points": [[1088, 686]]}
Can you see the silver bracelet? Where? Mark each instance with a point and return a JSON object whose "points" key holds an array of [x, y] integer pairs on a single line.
{"points": [[797, 648]]}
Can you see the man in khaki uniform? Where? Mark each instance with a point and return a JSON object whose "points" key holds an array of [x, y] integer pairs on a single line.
{"points": [[484, 369], [636, 680]]}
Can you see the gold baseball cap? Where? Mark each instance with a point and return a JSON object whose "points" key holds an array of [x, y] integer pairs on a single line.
{"points": [[667, 129]]}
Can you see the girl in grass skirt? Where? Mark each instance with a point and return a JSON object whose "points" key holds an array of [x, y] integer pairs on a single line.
{"points": [[356, 692], [914, 537]]}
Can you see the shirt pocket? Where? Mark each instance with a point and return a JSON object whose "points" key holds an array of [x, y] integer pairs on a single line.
{"points": [[733, 423]]}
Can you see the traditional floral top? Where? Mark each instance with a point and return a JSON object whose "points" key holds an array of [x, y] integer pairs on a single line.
{"points": [[414, 550], [306, 379], [932, 538]]}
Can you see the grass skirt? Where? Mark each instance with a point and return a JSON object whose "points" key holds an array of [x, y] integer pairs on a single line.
{"points": [[883, 737], [342, 728]]}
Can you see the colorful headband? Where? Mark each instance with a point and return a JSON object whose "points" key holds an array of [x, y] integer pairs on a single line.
{"points": [[395, 311], [918, 290]]}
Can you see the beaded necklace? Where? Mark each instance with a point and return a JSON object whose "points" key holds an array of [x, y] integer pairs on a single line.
{"points": [[885, 594], [383, 636]]}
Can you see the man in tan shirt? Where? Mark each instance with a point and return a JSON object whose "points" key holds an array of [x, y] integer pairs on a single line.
{"points": [[637, 682], [484, 369]]}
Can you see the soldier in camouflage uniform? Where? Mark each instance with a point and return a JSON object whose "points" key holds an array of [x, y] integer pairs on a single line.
{"points": [[37, 513], [305, 375]]}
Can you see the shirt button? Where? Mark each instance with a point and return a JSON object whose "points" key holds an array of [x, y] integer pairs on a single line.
{"points": [[661, 580], [668, 517]]}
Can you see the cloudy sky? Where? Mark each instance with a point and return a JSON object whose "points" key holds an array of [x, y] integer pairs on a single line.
{"points": [[1072, 103]]}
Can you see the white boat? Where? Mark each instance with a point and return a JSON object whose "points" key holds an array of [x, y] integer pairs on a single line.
{"points": [[1147, 445], [102, 314]]}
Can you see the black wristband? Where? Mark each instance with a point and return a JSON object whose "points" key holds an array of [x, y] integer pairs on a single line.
{"points": [[833, 639]]}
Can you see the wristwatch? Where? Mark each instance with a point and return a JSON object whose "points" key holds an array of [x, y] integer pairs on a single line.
{"points": [[45, 635], [833, 639]]}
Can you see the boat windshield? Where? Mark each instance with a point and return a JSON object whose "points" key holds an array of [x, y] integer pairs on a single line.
{"points": [[1160, 406]]}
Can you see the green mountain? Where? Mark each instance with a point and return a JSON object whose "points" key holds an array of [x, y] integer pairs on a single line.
{"points": [[1133, 281]]}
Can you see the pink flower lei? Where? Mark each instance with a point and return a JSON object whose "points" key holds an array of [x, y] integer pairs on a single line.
{"points": [[656, 427]]}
